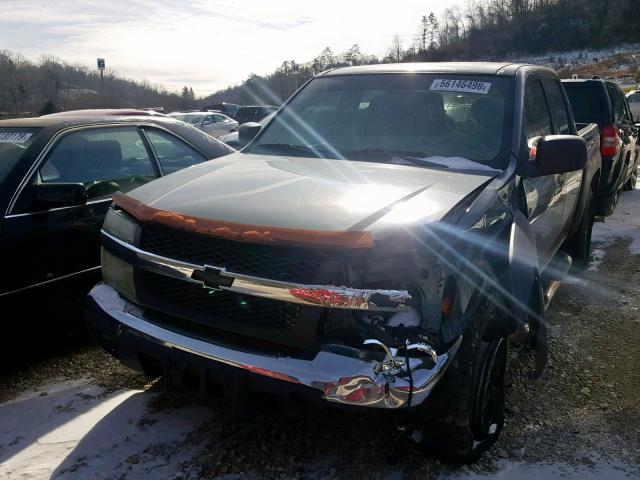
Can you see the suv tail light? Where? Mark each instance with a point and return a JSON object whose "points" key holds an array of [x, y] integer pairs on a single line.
{"points": [[609, 141]]}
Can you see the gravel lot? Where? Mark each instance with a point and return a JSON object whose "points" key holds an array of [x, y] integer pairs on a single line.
{"points": [[82, 415]]}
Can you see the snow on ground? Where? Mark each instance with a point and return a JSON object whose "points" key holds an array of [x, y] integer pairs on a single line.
{"points": [[574, 57], [74, 430], [624, 223]]}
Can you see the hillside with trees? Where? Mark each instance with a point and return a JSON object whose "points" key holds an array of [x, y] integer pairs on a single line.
{"points": [[483, 30], [48, 85]]}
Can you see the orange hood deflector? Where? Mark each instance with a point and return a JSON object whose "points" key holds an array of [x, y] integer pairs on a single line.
{"points": [[242, 232]]}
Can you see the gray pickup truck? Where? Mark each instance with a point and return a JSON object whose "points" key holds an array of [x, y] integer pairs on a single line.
{"points": [[374, 245]]}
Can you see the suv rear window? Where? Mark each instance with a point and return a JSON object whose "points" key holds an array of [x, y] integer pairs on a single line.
{"points": [[586, 102]]}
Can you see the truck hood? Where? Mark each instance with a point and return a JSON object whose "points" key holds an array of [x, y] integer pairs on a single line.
{"points": [[310, 193]]}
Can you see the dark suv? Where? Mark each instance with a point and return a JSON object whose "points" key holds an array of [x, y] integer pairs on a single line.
{"points": [[602, 102], [253, 113]]}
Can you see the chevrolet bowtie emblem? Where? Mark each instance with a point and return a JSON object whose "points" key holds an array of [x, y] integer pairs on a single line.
{"points": [[212, 278]]}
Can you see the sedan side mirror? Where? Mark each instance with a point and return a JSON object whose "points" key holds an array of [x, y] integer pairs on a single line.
{"points": [[558, 154], [247, 132], [52, 195], [206, 122]]}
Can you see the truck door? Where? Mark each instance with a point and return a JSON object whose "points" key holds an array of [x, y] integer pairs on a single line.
{"points": [[562, 126], [544, 195]]}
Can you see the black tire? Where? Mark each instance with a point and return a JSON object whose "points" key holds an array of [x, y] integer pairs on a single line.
{"points": [[579, 245], [465, 414], [608, 203], [631, 183]]}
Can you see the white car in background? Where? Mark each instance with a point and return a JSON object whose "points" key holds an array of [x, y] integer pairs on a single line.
{"points": [[215, 124], [633, 97]]}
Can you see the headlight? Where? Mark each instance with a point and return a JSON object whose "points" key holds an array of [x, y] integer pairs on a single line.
{"points": [[120, 225], [118, 274]]}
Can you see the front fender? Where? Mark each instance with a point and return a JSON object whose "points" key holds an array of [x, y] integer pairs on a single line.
{"points": [[523, 265]]}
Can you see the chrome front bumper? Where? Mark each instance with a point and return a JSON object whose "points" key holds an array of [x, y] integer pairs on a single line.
{"points": [[338, 373]]}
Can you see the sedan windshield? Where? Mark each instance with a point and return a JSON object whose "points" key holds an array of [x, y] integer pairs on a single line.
{"points": [[13, 143], [190, 119], [435, 120]]}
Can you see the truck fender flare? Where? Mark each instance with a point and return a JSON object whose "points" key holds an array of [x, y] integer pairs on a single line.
{"points": [[523, 268]]}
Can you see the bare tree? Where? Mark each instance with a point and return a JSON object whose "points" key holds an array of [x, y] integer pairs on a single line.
{"points": [[395, 50]]}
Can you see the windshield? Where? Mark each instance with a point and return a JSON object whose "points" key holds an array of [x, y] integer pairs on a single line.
{"points": [[439, 120], [190, 119], [14, 141]]}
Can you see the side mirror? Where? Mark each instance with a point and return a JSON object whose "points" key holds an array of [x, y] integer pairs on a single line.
{"points": [[558, 154], [247, 132], [206, 122], [52, 195]]}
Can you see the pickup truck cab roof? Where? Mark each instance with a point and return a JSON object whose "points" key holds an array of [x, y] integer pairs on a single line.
{"points": [[470, 68]]}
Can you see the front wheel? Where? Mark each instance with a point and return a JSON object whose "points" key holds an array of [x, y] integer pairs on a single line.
{"points": [[465, 414]]}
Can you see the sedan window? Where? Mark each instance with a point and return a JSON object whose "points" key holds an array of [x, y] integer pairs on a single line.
{"points": [[173, 153], [105, 160]]}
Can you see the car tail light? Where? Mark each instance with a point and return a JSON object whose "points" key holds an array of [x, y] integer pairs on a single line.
{"points": [[609, 141]]}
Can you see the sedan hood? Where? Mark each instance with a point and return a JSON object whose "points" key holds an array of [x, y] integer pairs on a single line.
{"points": [[310, 193]]}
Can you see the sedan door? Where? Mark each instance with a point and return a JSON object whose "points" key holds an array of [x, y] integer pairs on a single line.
{"points": [[225, 124], [209, 126], [56, 249]]}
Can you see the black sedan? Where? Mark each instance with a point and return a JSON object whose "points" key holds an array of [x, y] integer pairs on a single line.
{"points": [[57, 177]]}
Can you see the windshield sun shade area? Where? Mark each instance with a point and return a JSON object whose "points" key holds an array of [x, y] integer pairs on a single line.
{"points": [[435, 120], [14, 141]]}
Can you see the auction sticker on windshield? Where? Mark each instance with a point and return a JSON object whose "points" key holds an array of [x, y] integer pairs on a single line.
{"points": [[468, 86], [15, 137]]}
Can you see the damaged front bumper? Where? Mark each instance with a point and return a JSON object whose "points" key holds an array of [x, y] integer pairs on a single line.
{"points": [[343, 375]]}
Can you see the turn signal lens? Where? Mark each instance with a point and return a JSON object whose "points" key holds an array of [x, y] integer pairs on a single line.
{"points": [[120, 225], [118, 274]]}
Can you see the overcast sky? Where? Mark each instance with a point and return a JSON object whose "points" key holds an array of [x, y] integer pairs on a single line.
{"points": [[207, 45]]}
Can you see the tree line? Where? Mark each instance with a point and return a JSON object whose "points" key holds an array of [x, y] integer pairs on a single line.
{"points": [[30, 88], [484, 29]]}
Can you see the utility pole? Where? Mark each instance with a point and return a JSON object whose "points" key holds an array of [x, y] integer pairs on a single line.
{"points": [[101, 66]]}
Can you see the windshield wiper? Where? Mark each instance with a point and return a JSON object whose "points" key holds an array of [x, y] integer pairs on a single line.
{"points": [[290, 148], [379, 154]]}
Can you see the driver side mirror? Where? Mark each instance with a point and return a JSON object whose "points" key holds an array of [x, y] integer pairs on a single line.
{"points": [[206, 122], [558, 154], [247, 132], [53, 195]]}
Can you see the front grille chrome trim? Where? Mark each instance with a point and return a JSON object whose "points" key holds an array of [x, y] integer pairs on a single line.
{"points": [[326, 296]]}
